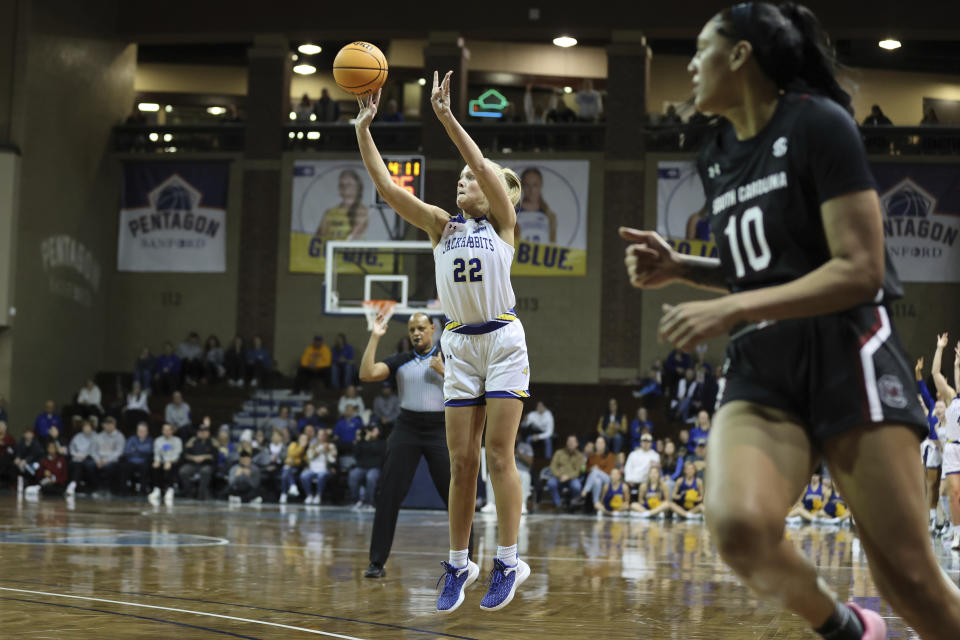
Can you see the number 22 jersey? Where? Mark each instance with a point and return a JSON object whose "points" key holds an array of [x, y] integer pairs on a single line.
{"points": [[473, 271], [764, 193]]}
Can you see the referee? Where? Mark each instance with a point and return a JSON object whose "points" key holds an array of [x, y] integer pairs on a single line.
{"points": [[419, 431]]}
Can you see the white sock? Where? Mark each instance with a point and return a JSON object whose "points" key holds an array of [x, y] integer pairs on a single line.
{"points": [[933, 515], [459, 559], [507, 555], [945, 505]]}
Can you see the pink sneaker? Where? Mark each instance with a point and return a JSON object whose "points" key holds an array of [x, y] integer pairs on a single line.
{"points": [[874, 628]]}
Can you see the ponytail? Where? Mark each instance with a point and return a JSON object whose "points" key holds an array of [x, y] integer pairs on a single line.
{"points": [[789, 45]]}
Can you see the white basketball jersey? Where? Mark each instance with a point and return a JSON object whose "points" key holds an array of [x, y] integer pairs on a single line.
{"points": [[534, 226], [952, 421], [473, 271]]}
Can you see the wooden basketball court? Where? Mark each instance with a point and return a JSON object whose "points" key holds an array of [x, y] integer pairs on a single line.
{"points": [[125, 569]]}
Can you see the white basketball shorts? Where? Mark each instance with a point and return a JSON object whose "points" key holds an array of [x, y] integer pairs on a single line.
{"points": [[951, 458], [488, 365]]}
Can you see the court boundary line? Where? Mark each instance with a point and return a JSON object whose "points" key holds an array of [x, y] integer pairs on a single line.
{"points": [[198, 613], [132, 615], [254, 607]]}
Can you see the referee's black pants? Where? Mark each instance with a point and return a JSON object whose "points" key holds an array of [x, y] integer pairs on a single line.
{"points": [[414, 434]]}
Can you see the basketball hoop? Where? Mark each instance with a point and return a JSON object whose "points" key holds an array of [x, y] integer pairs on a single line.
{"points": [[374, 308]]}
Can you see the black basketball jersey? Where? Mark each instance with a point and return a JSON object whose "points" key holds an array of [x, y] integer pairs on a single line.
{"points": [[764, 194]]}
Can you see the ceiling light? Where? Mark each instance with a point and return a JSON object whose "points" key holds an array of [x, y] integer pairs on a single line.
{"points": [[568, 89], [293, 115], [313, 135], [564, 41], [167, 137], [148, 106], [154, 137], [422, 81], [168, 108], [304, 69], [309, 49], [216, 111], [889, 44], [313, 117], [294, 57]]}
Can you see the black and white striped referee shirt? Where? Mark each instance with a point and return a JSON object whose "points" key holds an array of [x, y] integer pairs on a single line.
{"points": [[420, 387]]}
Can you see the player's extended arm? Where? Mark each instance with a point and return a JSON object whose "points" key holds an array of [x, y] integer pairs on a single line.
{"points": [[652, 263], [370, 369], [418, 213], [940, 380], [502, 213]]}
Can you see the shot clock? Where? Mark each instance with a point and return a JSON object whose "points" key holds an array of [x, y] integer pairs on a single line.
{"points": [[406, 172]]}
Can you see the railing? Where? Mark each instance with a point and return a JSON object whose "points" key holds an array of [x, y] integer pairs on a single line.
{"points": [[495, 137]]}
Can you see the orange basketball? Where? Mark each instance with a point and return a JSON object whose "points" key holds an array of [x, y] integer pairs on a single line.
{"points": [[360, 68]]}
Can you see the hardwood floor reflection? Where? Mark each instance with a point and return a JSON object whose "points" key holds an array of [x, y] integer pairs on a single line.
{"points": [[124, 569]]}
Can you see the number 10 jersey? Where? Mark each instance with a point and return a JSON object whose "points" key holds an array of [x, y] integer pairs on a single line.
{"points": [[473, 271], [764, 193]]}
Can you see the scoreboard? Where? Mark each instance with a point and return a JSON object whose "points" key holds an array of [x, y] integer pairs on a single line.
{"points": [[406, 172]]}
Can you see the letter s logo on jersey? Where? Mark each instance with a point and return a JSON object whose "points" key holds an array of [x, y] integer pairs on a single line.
{"points": [[780, 147]]}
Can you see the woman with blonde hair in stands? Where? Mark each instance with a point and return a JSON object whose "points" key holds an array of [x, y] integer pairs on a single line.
{"points": [[486, 372]]}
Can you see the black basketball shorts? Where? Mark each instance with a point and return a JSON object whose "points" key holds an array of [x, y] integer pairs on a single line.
{"points": [[832, 372]]}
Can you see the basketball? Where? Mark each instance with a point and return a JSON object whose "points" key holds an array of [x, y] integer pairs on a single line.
{"points": [[360, 68]]}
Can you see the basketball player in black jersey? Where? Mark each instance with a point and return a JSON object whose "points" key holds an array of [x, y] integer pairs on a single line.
{"points": [[419, 431], [813, 368]]}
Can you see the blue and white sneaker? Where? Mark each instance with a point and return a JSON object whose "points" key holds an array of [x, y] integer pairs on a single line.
{"points": [[504, 581], [455, 581]]}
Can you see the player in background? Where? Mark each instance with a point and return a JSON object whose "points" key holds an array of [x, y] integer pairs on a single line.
{"points": [[951, 433], [813, 367]]}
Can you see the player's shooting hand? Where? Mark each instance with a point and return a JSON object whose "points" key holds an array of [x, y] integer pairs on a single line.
{"points": [[688, 324], [379, 325], [367, 111], [942, 340], [651, 263], [918, 369], [440, 96]]}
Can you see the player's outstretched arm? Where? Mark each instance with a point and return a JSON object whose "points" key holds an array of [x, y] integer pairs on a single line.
{"points": [[418, 213], [502, 213], [943, 387], [370, 369], [652, 263]]}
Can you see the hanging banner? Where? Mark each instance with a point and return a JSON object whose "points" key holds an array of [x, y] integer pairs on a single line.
{"points": [[336, 200], [173, 217], [552, 217], [681, 214]]}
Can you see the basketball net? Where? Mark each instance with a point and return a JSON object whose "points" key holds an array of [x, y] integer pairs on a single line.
{"points": [[374, 308]]}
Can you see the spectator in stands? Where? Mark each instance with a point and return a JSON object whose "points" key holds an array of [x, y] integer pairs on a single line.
{"points": [[26, 458], [8, 446], [310, 417], [565, 467], [52, 472], [213, 368], [539, 427], [930, 117], [369, 451], [137, 458], [350, 397], [136, 409], [235, 363], [671, 462], [283, 421], [650, 384], [227, 451], [681, 404], [190, 352], [674, 368], [653, 495], [83, 466], [270, 460], [699, 457], [107, 451], [638, 426], [683, 438], [89, 399], [876, 118], [166, 454], [589, 103], [386, 407], [199, 458], [321, 456], [259, 362], [259, 440], [292, 464], [613, 426], [523, 457], [701, 430], [599, 466], [346, 429], [244, 478], [614, 496], [45, 419], [343, 372], [166, 371], [639, 461], [177, 412], [326, 108], [304, 109], [58, 439], [688, 494], [705, 396], [143, 368], [391, 112], [314, 363]]}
